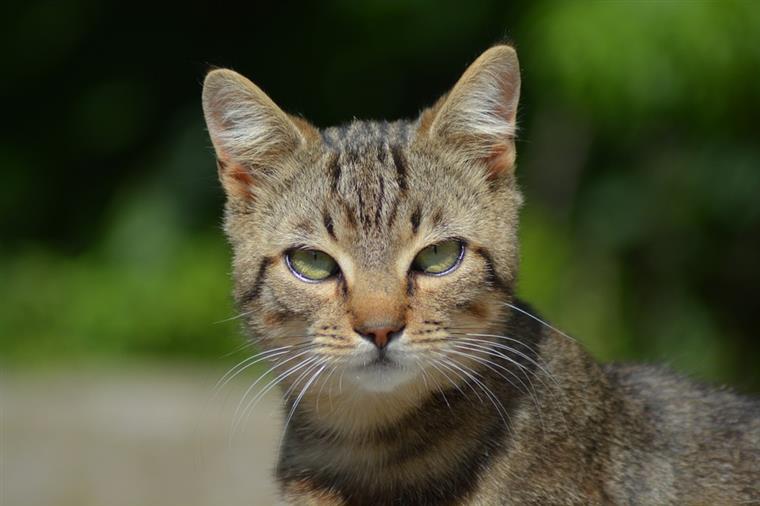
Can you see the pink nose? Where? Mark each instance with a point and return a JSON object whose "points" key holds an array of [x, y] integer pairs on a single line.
{"points": [[380, 335]]}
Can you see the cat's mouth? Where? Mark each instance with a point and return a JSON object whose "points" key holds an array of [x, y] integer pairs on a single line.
{"points": [[382, 361], [381, 373]]}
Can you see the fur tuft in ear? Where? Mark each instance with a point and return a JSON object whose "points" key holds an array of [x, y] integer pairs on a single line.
{"points": [[479, 114], [251, 135]]}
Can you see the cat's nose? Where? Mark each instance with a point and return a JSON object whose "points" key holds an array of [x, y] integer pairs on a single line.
{"points": [[380, 334]]}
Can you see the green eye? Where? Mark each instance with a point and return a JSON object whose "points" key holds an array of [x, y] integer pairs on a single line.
{"points": [[311, 264], [440, 258]]}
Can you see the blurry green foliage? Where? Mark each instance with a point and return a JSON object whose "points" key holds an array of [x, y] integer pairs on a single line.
{"points": [[630, 64], [146, 290], [639, 155]]}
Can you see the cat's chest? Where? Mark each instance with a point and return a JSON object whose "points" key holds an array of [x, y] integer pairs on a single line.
{"points": [[311, 492], [367, 474]]}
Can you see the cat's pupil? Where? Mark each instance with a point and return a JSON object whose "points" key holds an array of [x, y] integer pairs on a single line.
{"points": [[435, 249]]}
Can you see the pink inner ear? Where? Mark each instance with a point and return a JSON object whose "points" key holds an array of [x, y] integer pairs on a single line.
{"points": [[236, 179], [501, 160]]}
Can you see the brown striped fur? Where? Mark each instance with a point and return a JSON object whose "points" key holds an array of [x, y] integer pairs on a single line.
{"points": [[477, 402]]}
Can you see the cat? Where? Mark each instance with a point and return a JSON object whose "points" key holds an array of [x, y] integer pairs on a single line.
{"points": [[375, 266]]}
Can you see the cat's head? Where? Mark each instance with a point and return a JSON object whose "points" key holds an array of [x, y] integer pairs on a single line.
{"points": [[368, 248]]}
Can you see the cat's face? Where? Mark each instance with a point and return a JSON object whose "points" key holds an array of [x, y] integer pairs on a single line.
{"points": [[365, 251]]}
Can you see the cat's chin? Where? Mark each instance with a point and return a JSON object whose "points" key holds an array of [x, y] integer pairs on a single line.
{"points": [[380, 377]]}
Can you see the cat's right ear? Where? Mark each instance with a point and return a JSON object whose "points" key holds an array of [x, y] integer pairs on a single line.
{"points": [[252, 137]]}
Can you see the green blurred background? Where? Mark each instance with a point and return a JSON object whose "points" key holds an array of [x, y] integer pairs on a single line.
{"points": [[639, 156]]}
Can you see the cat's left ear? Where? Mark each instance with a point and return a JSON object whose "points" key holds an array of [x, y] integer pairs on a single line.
{"points": [[478, 116]]}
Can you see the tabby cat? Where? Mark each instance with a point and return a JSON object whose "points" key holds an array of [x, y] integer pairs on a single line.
{"points": [[375, 265]]}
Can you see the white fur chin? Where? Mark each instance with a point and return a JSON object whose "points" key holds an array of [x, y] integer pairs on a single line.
{"points": [[380, 379]]}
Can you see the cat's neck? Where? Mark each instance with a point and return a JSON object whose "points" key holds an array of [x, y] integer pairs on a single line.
{"points": [[347, 411]]}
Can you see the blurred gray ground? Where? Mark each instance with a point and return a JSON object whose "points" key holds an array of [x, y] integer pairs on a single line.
{"points": [[146, 436]]}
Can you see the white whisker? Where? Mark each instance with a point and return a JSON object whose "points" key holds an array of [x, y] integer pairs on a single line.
{"points": [[240, 367], [323, 364], [235, 420], [245, 313], [440, 362], [489, 394], [530, 390], [273, 383], [539, 320], [516, 352], [552, 389], [329, 393]]}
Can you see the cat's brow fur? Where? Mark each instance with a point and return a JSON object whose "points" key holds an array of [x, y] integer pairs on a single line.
{"points": [[512, 411]]}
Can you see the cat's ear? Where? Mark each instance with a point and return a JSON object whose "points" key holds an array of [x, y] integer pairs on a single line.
{"points": [[251, 135], [478, 115]]}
